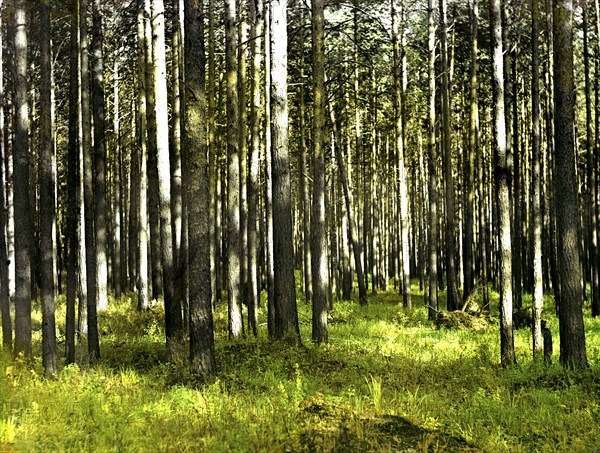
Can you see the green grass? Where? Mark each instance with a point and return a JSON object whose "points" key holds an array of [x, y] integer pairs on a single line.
{"points": [[388, 381]]}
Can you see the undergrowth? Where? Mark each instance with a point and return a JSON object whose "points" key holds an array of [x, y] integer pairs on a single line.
{"points": [[387, 381]]}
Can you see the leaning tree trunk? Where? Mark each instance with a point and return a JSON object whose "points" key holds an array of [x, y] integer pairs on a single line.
{"points": [[572, 335], [502, 178], [4, 292], [23, 224], [286, 313]]}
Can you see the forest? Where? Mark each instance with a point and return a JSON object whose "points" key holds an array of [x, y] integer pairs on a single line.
{"points": [[300, 225]]}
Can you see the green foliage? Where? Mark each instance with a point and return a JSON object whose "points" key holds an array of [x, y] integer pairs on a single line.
{"points": [[388, 380]]}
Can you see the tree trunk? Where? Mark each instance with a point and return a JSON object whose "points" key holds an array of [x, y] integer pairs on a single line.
{"points": [[469, 161], [453, 298], [431, 166], [4, 280], [257, 19], [47, 162], [502, 178], [142, 163], [572, 336], [173, 317], [318, 240], [536, 213], [202, 355], [399, 148], [236, 328], [286, 314], [23, 223], [99, 160], [88, 189]]}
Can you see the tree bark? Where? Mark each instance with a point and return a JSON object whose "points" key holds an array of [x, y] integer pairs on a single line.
{"points": [[469, 161], [47, 180], [23, 222], [196, 176], [536, 213], [453, 297], [142, 162], [572, 336], [399, 145], [286, 314], [432, 170], [7, 330], [502, 178], [318, 240], [257, 19], [99, 160], [236, 328], [173, 316]]}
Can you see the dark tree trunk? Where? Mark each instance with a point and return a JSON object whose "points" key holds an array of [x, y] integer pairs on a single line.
{"points": [[47, 181], [23, 222], [572, 336], [7, 330], [202, 355]]}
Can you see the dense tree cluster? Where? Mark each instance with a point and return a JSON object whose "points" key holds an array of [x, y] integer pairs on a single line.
{"points": [[193, 151]]}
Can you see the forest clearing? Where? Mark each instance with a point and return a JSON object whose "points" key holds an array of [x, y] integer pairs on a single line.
{"points": [[388, 381]]}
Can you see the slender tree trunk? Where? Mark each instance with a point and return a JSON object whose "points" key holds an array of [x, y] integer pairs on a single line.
{"points": [[173, 316], [88, 189], [536, 183], [7, 330], [47, 181], [286, 314], [117, 185], [502, 177], [270, 263], [236, 328], [257, 18], [99, 160], [432, 170], [453, 298], [23, 222], [399, 144], [305, 188], [142, 161], [175, 157], [590, 210], [318, 240], [469, 162], [572, 336], [155, 260], [196, 182]]}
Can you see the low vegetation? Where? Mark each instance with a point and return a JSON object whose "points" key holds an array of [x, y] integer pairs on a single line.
{"points": [[388, 381]]}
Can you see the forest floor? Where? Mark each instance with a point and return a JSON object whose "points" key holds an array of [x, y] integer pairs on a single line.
{"points": [[389, 380]]}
